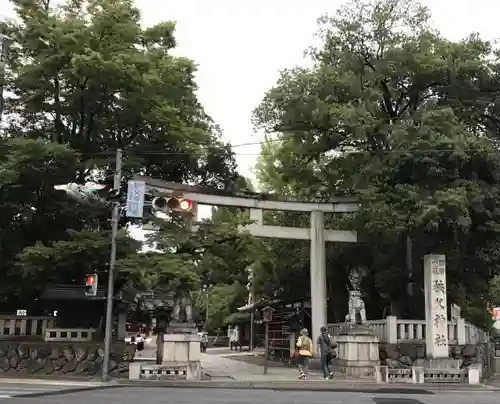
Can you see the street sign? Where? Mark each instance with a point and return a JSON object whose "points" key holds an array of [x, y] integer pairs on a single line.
{"points": [[135, 198]]}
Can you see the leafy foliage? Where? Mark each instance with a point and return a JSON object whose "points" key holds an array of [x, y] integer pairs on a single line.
{"points": [[68, 261], [405, 119], [88, 75], [84, 79]]}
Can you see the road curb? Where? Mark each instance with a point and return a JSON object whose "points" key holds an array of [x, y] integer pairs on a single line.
{"points": [[67, 391], [361, 387]]}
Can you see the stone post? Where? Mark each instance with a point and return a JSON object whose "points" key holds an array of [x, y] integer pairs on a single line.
{"points": [[392, 330], [461, 340], [318, 273], [436, 315], [292, 339]]}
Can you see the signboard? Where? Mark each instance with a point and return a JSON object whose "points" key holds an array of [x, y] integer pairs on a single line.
{"points": [[135, 198], [21, 313]]}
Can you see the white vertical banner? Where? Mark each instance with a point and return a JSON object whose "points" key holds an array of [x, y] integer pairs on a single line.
{"points": [[436, 314], [136, 191]]}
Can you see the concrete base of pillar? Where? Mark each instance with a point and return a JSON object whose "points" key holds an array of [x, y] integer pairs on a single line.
{"points": [[358, 354], [181, 348]]}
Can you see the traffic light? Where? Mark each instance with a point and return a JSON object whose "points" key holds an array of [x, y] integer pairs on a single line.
{"points": [[174, 204], [91, 285]]}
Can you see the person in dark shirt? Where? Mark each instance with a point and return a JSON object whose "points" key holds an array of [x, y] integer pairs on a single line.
{"points": [[324, 347]]}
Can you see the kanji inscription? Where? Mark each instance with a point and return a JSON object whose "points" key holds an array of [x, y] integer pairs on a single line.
{"points": [[436, 306]]}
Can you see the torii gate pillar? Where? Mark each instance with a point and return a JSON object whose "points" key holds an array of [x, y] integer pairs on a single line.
{"points": [[318, 272]]}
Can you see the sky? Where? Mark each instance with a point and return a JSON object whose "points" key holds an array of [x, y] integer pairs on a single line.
{"points": [[241, 46]]}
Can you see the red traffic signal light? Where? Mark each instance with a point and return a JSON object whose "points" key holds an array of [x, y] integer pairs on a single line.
{"points": [[91, 285], [185, 205]]}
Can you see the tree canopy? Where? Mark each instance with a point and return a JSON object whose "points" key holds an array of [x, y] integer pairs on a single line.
{"points": [[84, 79], [88, 75], [407, 120]]}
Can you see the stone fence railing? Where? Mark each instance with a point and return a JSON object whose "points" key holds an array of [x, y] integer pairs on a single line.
{"points": [[40, 328], [393, 330], [69, 334], [24, 326]]}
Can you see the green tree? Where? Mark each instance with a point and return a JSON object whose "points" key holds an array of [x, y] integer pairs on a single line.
{"points": [[30, 209], [67, 261], [84, 79], [395, 113], [88, 75]]}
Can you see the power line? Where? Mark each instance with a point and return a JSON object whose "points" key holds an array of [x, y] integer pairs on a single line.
{"points": [[333, 153], [338, 153], [156, 152]]}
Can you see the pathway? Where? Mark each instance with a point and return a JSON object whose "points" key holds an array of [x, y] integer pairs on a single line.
{"points": [[224, 364]]}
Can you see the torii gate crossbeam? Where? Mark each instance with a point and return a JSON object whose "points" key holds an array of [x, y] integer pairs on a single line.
{"points": [[257, 203]]}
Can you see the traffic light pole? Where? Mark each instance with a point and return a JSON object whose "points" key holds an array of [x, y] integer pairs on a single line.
{"points": [[108, 333]]}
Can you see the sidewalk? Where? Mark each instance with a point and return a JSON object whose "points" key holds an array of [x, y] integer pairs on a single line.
{"points": [[225, 366], [226, 369], [493, 382]]}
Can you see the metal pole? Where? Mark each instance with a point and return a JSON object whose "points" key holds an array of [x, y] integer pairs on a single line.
{"points": [[111, 276], [266, 344], [207, 302], [252, 315], [252, 319]]}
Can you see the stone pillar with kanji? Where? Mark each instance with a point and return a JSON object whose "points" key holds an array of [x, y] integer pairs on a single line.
{"points": [[436, 315]]}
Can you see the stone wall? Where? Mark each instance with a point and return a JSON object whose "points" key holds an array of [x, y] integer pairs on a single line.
{"points": [[24, 358], [407, 355]]}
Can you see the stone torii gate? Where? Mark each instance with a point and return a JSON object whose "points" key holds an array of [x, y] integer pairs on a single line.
{"points": [[257, 203]]}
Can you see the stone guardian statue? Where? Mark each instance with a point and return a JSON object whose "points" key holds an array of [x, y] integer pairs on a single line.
{"points": [[356, 305], [183, 309]]}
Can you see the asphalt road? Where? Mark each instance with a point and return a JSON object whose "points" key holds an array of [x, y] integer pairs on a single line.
{"points": [[150, 395]]}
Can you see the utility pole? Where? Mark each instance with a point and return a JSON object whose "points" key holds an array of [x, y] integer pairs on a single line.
{"points": [[206, 290], [115, 218], [207, 303], [252, 318], [251, 301]]}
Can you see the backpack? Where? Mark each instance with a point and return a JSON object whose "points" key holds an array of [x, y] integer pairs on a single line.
{"points": [[332, 344]]}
